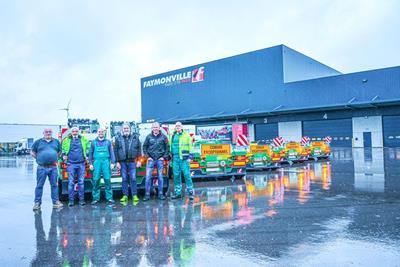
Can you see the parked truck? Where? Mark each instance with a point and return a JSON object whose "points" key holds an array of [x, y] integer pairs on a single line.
{"points": [[24, 146]]}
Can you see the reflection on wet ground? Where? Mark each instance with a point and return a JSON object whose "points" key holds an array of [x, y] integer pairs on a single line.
{"points": [[341, 212]]}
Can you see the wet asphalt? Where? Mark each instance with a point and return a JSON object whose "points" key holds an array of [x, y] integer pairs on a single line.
{"points": [[341, 212]]}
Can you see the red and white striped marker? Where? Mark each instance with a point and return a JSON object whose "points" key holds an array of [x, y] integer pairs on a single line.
{"points": [[65, 132], [278, 141], [193, 137], [328, 139], [242, 140], [305, 140]]}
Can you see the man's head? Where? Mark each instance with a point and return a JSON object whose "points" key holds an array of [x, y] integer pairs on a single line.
{"points": [[75, 132], [126, 129], [155, 127], [47, 133], [100, 133], [178, 127]]}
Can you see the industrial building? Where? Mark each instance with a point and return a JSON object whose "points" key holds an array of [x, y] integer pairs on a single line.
{"points": [[278, 91]]}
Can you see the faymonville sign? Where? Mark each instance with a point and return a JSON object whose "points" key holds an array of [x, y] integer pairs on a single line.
{"points": [[194, 76]]}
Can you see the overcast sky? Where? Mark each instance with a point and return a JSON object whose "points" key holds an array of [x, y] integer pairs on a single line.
{"points": [[95, 52]]}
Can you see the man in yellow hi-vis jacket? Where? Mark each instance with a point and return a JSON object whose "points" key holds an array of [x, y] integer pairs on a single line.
{"points": [[181, 147]]}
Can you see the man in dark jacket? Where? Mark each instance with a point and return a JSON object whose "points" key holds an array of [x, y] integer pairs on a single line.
{"points": [[127, 150], [156, 149]]}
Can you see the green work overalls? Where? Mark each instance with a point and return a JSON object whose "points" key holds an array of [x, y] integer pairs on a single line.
{"points": [[101, 164]]}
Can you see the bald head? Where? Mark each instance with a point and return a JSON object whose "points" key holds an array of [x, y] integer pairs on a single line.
{"points": [[178, 126], [155, 128], [48, 133], [100, 133], [74, 132]]}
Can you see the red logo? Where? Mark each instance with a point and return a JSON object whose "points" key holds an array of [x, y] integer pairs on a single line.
{"points": [[198, 75]]}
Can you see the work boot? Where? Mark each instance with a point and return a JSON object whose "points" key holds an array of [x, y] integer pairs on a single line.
{"points": [[146, 198], [71, 203], [161, 197], [124, 199], [135, 200], [82, 203], [176, 196], [110, 202], [36, 206], [191, 195], [57, 204], [94, 202]]}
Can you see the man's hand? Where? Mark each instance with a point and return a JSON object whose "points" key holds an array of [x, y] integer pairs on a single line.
{"points": [[112, 166], [162, 158], [118, 166], [65, 157], [149, 159], [91, 167], [138, 164], [189, 160]]}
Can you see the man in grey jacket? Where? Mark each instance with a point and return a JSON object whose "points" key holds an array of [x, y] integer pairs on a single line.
{"points": [[127, 151]]}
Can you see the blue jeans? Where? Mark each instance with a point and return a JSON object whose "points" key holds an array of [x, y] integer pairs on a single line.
{"points": [[76, 170], [41, 174], [128, 169], [149, 171]]}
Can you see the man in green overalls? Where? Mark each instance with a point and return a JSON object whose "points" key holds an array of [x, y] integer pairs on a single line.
{"points": [[181, 147], [100, 154]]}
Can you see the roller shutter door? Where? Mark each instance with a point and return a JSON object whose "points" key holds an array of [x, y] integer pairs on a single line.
{"points": [[341, 131], [391, 131], [265, 132]]}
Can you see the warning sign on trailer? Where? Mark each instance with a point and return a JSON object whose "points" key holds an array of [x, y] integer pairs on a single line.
{"points": [[254, 149], [242, 140], [211, 150]]}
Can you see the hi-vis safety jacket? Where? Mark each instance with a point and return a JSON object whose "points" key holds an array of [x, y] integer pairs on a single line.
{"points": [[66, 145], [185, 144]]}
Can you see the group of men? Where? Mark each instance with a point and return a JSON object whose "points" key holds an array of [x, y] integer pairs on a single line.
{"points": [[76, 150]]}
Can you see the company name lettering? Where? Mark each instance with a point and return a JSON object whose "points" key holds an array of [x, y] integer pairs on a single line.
{"points": [[197, 75]]}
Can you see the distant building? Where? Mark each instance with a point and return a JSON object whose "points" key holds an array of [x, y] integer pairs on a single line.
{"points": [[12, 133]]}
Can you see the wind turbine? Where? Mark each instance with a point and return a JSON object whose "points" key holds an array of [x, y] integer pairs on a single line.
{"points": [[67, 109]]}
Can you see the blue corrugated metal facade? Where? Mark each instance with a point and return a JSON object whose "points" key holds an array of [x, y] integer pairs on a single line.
{"points": [[266, 132], [391, 131], [276, 83], [340, 131], [230, 86]]}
